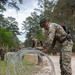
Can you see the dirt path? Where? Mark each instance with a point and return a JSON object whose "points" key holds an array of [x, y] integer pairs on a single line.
{"points": [[55, 60]]}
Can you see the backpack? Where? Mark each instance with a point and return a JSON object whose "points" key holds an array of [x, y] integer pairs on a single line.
{"points": [[66, 28]]}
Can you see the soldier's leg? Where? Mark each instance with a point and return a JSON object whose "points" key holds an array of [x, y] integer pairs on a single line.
{"points": [[40, 60], [60, 60], [2, 55], [66, 63], [65, 60]]}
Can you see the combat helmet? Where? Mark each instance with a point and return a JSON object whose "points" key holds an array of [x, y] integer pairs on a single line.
{"points": [[42, 22]]}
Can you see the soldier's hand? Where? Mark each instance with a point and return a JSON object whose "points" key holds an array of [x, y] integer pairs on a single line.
{"points": [[40, 48]]}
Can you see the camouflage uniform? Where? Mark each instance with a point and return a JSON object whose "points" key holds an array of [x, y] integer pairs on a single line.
{"points": [[35, 42], [56, 31], [2, 54]]}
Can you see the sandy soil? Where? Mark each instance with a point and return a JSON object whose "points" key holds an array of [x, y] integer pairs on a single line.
{"points": [[55, 60]]}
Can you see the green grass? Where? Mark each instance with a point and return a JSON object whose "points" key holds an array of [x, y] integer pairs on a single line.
{"points": [[28, 68], [2, 67]]}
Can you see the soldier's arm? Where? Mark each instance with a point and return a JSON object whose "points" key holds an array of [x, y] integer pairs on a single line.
{"points": [[53, 43], [50, 38], [40, 48]]}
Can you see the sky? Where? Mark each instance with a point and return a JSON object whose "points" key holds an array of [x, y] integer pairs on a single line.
{"points": [[26, 8]]}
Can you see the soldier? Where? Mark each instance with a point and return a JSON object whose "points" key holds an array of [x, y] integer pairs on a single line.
{"points": [[35, 42], [2, 54], [57, 33]]}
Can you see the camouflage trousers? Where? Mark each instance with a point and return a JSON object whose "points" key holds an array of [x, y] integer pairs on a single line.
{"points": [[65, 58]]}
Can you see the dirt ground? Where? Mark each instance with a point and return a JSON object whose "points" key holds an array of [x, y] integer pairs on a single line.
{"points": [[55, 60]]}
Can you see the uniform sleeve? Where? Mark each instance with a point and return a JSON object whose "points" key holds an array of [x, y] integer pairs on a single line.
{"points": [[50, 38]]}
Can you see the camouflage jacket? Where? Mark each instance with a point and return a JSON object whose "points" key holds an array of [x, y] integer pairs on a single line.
{"points": [[55, 33]]}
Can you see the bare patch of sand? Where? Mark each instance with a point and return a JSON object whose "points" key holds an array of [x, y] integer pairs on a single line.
{"points": [[55, 60]]}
